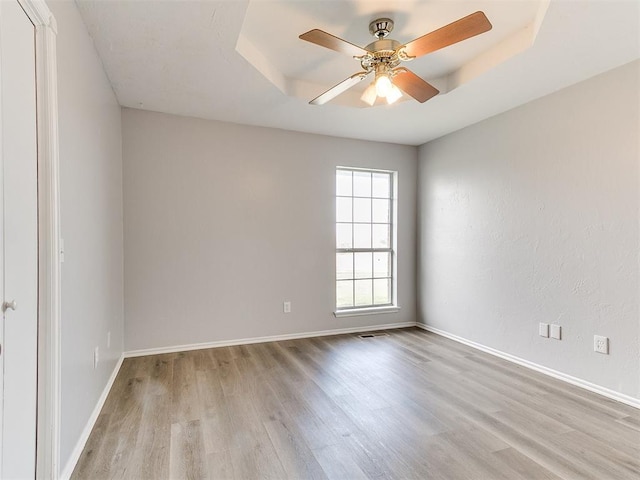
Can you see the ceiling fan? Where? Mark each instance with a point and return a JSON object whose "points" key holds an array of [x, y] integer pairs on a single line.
{"points": [[383, 57]]}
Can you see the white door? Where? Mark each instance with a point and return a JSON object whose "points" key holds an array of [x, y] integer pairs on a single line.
{"points": [[18, 242]]}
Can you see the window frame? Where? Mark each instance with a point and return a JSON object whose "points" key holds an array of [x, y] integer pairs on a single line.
{"points": [[392, 306]]}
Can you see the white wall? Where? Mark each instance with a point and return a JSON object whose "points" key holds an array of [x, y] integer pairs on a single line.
{"points": [[91, 223], [532, 216], [224, 222]]}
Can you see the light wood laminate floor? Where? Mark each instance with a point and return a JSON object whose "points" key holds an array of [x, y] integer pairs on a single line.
{"points": [[407, 405]]}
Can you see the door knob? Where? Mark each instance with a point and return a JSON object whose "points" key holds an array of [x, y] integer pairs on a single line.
{"points": [[9, 305]]}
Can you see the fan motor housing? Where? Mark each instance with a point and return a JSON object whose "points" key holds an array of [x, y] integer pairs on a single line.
{"points": [[383, 51], [383, 45]]}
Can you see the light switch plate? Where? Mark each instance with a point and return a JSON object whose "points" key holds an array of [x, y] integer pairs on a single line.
{"points": [[556, 332]]}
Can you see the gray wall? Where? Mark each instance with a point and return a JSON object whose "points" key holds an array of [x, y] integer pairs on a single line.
{"points": [[91, 223], [532, 216], [225, 222]]}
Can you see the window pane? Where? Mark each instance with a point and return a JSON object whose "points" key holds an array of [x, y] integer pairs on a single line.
{"points": [[381, 185], [343, 183], [362, 236], [381, 291], [364, 292], [344, 266], [343, 209], [381, 264], [361, 209], [344, 293], [381, 211], [380, 236], [361, 184], [364, 265], [344, 235]]}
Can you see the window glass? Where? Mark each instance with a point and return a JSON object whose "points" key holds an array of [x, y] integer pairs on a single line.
{"points": [[380, 211], [362, 210], [344, 209], [344, 179], [361, 184], [344, 266], [381, 185]]}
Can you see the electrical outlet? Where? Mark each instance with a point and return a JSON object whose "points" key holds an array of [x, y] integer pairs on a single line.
{"points": [[96, 357], [601, 344], [556, 331], [286, 306], [543, 330], [108, 339]]}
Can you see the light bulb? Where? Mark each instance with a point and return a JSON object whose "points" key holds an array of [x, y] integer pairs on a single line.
{"points": [[393, 95], [369, 96], [383, 85]]}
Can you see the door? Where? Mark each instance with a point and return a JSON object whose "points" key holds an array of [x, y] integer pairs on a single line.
{"points": [[18, 242]]}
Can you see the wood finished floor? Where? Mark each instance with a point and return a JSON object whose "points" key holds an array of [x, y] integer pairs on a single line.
{"points": [[408, 405]]}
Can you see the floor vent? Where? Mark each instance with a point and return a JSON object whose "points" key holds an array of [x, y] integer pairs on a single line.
{"points": [[373, 335]]}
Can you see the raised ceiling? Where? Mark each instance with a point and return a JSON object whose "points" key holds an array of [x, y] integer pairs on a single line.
{"points": [[242, 62], [305, 70]]}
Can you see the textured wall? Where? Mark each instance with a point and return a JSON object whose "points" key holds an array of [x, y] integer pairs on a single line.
{"points": [[91, 223], [224, 222], [532, 216]]}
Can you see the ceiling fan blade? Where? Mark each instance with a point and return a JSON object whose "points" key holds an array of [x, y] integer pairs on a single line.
{"points": [[413, 85], [332, 42], [455, 32], [336, 90]]}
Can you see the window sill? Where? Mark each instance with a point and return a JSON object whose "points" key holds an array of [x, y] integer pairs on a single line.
{"points": [[366, 311]]}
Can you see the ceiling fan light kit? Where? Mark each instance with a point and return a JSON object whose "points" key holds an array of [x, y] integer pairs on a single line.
{"points": [[383, 85], [370, 96], [394, 94], [384, 56]]}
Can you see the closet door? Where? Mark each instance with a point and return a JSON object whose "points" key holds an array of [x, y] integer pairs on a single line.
{"points": [[19, 241]]}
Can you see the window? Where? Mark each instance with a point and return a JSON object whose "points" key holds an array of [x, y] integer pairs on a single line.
{"points": [[365, 234]]}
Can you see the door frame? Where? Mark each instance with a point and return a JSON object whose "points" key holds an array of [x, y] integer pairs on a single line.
{"points": [[49, 251]]}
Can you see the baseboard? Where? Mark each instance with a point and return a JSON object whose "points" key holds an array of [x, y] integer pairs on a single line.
{"points": [[77, 451], [578, 382], [273, 338]]}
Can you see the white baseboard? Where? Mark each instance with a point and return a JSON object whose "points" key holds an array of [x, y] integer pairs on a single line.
{"points": [[273, 338], [77, 451], [592, 387]]}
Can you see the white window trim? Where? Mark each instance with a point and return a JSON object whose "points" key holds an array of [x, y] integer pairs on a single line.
{"points": [[355, 312], [394, 307]]}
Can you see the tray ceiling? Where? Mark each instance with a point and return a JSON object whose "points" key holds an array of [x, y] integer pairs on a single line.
{"points": [[190, 58]]}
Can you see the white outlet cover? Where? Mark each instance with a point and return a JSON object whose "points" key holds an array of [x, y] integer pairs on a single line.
{"points": [[287, 307], [601, 344], [556, 332], [543, 330]]}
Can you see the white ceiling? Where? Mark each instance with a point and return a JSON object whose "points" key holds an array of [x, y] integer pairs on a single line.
{"points": [[182, 57]]}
